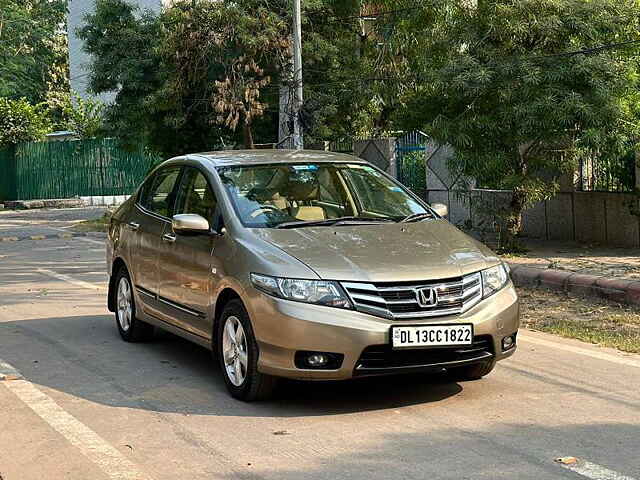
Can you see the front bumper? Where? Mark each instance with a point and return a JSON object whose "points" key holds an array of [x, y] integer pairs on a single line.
{"points": [[283, 327]]}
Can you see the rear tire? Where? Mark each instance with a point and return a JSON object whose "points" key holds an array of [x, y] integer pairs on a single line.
{"points": [[238, 356], [131, 329], [472, 372]]}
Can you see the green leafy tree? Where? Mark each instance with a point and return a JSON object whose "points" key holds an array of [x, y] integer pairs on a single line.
{"points": [[33, 48], [225, 54], [203, 73], [20, 121], [521, 89], [123, 43]]}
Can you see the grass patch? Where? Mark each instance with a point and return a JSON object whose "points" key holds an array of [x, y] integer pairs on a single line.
{"points": [[600, 322], [96, 225]]}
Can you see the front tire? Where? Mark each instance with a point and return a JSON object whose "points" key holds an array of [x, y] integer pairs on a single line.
{"points": [[238, 356], [130, 328]]}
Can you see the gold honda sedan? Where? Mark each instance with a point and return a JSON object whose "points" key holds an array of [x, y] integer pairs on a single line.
{"points": [[306, 265]]}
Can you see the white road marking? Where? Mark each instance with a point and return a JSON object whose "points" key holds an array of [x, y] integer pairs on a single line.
{"points": [[593, 471], [113, 463], [58, 229], [631, 362], [85, 239], [71, 280], [8, 372]]}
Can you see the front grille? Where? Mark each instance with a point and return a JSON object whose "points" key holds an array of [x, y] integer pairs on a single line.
{"points": [[382, 358], [399, 301]]}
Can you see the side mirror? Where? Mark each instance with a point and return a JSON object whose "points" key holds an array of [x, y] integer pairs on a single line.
{"points": [[440, 208], [190, 224]]}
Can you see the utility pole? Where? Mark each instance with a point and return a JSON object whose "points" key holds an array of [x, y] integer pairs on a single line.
{"points": [[298, 141]]}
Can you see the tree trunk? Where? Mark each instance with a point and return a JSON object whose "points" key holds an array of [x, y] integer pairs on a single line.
{"points": [[248, 136], [513, 223]]}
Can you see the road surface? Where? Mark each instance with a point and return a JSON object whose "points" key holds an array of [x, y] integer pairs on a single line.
{"points": [[78, 403]]}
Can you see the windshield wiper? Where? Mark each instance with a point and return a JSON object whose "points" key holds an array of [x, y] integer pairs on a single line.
{"points": [[416, 217], [333, 221]]}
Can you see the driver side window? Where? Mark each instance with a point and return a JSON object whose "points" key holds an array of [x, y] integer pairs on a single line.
{"points": [[196, 196]]}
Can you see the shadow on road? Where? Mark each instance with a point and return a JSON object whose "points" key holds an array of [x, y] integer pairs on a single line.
{"points": [[505, 452], [83, 356]]}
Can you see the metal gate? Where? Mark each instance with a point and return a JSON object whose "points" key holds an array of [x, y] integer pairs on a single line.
{"points": [[411, 158]]}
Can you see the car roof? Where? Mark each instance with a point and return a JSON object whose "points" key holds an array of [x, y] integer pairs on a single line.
{"points": [[255, 157]]}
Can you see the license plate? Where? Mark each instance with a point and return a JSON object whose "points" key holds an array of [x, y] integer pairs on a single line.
{"points": [[431, 335]]}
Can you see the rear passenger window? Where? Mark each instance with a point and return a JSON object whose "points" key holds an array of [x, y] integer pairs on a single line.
{"points": [[161, 195]]}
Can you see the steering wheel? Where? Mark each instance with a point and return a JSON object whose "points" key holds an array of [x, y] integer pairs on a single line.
{"points": [[262, 208]]}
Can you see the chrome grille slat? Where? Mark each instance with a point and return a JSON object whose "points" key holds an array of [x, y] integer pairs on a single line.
{"points": [[369, 298], [400, 301]]}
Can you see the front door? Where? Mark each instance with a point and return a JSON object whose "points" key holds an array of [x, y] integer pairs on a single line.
{"points": [[186, 262], [149, 221]]}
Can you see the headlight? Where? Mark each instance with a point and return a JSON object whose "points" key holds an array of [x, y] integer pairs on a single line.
{"points": [[320, 292], [493, 279]]}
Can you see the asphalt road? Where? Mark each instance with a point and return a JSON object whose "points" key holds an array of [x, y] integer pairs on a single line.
{"points": [[89, 406]]}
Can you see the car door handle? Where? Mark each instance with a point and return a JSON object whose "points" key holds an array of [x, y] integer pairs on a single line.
{"points": [[169, 237], [133, 226]]}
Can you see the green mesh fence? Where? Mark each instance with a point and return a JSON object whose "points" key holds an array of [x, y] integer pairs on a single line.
{"points": [[96, 167]]}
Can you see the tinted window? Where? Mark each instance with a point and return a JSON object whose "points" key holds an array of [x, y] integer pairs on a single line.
{"points": [[160, 197], [196, 195]]}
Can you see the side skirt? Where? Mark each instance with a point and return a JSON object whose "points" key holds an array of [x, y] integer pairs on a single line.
{"points": [[197, 339]]}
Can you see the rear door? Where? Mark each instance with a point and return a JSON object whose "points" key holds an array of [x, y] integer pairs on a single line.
{"points": [[186, 261], [149, 220]]}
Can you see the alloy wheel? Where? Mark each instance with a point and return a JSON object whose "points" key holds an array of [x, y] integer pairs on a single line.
{"points": [[234, 350], [125, 304]]}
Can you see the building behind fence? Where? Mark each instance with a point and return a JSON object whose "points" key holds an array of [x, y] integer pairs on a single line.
{"points": [[82, 168]]}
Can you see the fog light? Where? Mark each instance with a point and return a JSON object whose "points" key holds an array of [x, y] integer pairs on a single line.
{"points": [[508, 342], [317, 360]]}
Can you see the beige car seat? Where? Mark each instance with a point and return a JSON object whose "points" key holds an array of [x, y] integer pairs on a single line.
{"points": [[302, 193]]}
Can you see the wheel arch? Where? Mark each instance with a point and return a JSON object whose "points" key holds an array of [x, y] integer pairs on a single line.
{"points": [[224, 297]]}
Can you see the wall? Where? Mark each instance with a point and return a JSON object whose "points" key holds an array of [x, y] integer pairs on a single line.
{"points": [[586, 217], [379, 151]]}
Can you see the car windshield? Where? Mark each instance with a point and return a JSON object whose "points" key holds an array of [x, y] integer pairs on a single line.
{"points": [[268, 196]]}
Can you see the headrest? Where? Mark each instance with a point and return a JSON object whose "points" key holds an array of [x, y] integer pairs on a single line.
{"points": [[302, 191]]}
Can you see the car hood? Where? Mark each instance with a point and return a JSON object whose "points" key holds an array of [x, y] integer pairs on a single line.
{"points": [[425, 250]]}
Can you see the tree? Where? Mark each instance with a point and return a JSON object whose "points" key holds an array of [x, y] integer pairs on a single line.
{"points": [[203, 73], [33, 53], [521, 89], [84, 117], [20, 121], [226, 53], [123, 43]]}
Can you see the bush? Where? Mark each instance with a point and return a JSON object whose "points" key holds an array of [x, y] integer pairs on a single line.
{"points": [[21, 121]]}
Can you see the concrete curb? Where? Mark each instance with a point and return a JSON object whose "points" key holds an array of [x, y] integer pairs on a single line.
{"points": [[53, 236], [615, 289], [47, 203]]}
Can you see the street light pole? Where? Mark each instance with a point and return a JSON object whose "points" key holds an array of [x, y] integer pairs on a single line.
{"points": [[298, 141]]}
